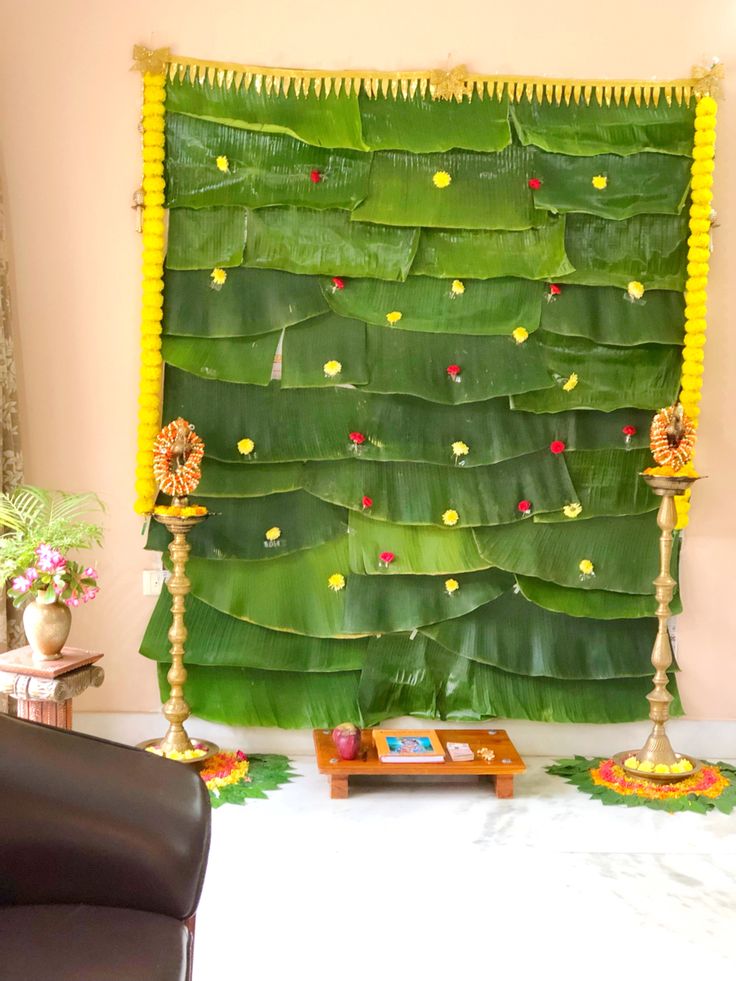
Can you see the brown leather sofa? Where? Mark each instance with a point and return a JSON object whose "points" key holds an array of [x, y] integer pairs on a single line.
{"points": [[103, 851]]}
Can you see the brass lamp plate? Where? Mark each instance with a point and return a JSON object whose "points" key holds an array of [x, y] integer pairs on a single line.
{"points": [[212, 749], [659, 777]]}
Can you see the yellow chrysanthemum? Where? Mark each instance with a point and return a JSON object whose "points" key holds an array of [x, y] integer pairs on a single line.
{"points": [[336, 582], [573, 509], [459, 448], [451, 586], [332, 368], [520, 334], [571, 383], [246, 446], [218, 276], [223, 164], [273, 534], [586, 567], [394, 317], [599, 182], [635, 289], [450, 517], [458, 287], [441, 179]]}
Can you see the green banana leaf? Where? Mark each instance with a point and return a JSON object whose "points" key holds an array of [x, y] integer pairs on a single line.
{"points": [[229, 359], [419, 494], [596, 603], [251, 301], [217, 640], [287, 699], [514, 635], [264, 169], [300, 240], [309, 346], [581, 129], [234, 480], [624, 551], [238, 526], [320, 119], [416, 550], [423, 679], [422, 124], [643, 183], [490, 306], [651, 249], [537, 253], [314, 424], [408, 363], [647, 376], [607, 483], [205, 238], [488, 191], [606, 315]]}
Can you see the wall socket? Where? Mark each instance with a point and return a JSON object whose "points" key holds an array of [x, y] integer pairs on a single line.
{"points": [[153, 581]]}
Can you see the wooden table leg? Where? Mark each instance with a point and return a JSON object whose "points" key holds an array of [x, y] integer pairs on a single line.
{"points": [[504, 786], [338, 788]]}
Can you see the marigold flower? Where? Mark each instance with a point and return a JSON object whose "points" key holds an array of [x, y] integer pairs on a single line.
{"points": [[394, 317], [571, 383], [336, 582], [273, 534], [450, 517], [554, 289], [628, 430], [367, 502], [534, 183], [453, 370], [315, 176], [451, 586], [337, 283], [387, 557], [223, 164], [246, 446], [332, 368], [635, 289], [557, 446], [524, 506], [586, 567], [520, 334], [572, 510], [441, 179], [356, 438], [218, 276], [459, 448], [599, 182], [458, 287]]}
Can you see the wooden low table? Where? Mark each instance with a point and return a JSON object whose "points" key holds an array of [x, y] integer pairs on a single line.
{"points": [[506, 765], [44, 690]]}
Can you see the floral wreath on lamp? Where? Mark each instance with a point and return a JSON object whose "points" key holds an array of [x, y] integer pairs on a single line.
{"points": [[177, 453]]}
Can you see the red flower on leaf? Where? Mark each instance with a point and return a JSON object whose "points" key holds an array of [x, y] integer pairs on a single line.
{"points": [[535, 183], [338, 283], [453, 370], [629, 430], [557, 446], [367, 502], [356, 438], [554, 289], [387, 557], [315, 176], [524, 506]]}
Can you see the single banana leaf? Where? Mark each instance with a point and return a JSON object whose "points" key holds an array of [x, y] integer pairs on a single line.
{"points": [[300, 240], [422, 124], [237, 529], [215, 639], [651, 249], [377, 605], [416, 550], [310, 345], [624, 551], [514, 635], [251, 301], [640, 184], [581, 128], [287, 699], [537, 253], [229, 359], [314, 424], [606, 315], [419, 494], [320, 119], [647, 376], [490, 306], [205, 238], [488, 191], [596, 603], [234, 480], [408, 363], [264, 169], [607, 483]]}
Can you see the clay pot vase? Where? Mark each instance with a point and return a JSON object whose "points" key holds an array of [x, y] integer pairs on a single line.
{"points": [[47, 627], [346, 738]]}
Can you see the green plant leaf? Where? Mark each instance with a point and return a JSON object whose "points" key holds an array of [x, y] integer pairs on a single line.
{"points": [[491, 306], [422, 124], [205, 238], [263, 169], [537, 253], [514, 635], [229, 359], [309, 346], [252, 301], [300, 240], [234, 480], [606, 315], [596, 603]]}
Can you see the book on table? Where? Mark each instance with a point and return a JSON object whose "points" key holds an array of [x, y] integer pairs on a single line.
{"points": [[408, 746], [460, 752]]}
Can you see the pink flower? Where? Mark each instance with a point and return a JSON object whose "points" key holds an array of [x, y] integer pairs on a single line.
{"points": [[31, 574], [50, 559], [89, 594], [90, 573], [387, 557], [20, 584], [534, 183], [356, 438], [367, 502], [524, 506]]}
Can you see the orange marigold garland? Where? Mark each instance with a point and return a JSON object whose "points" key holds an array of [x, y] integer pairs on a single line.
{"points": [[177, 453], [672, 437]]}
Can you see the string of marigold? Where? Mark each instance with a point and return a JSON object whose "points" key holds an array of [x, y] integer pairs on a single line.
{"points": [[691, 380], [149, 398]]}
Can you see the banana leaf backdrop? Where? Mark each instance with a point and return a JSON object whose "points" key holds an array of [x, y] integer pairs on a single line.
{"points": [[407, 240]]}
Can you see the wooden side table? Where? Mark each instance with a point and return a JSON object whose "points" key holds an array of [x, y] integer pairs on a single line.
{"points": [[44, 690]]}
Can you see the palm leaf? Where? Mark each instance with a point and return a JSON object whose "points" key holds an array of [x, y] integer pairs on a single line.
{"points": [[310, 345], [205, 238], [596, 603], [229, 359], [234, 480], [327, 242]]}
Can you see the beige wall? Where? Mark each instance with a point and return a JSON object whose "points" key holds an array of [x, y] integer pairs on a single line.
{"points": [[69, 155]]}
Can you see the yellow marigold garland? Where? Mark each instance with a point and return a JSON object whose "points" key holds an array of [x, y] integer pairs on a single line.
{"points": [[691, 380], [149, 399]]}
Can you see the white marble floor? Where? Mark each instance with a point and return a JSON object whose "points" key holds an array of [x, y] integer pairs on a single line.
{"points": [[409, 879]]}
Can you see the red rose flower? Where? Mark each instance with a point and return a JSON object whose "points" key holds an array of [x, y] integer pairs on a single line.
{"points": [[629, 430], [554, 289], [367, 502], [535, 183], [387, 557], [557, 446], [356, 438], [338, 283], [524, 506], [315, 176], [453, 370]]}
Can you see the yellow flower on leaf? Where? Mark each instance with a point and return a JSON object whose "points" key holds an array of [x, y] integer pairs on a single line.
{"points": [[570, 383], [459, 448], [394, 317], [520, 334], [246, 446], [599, 182], [450, 517], [332, 368], [441, 179], [223, 164], [635, 289], [451, 586], [336, 582], [458, 287], [273, 534], [586, 567], [218, 276], [572, 510]]}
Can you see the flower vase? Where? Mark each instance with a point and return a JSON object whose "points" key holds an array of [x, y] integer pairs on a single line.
{"points": [[47, 627]]}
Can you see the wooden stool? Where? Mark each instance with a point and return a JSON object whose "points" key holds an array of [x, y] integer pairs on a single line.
{"points": [[44, 690]]}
